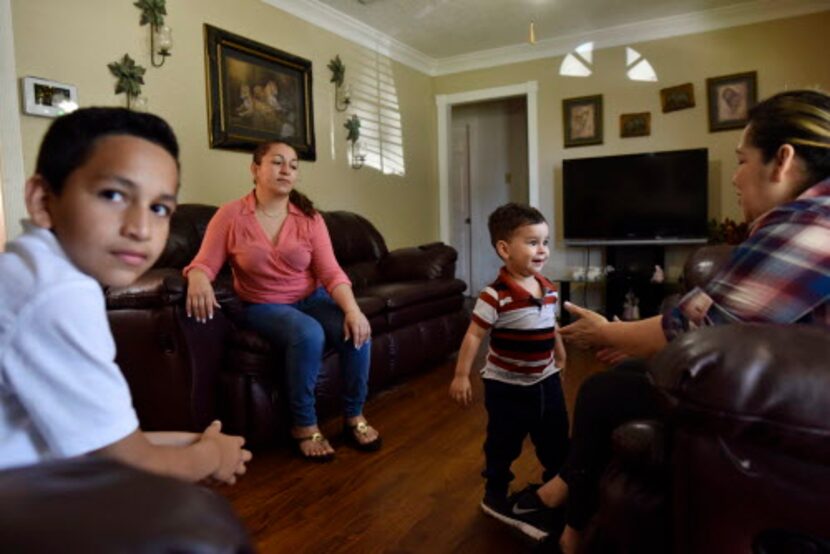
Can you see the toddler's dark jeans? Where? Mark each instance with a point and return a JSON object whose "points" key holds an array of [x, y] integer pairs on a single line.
{"points": [[514, 412]]}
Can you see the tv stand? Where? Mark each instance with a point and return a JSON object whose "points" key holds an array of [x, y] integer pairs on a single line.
{"points": [[633, 269]]}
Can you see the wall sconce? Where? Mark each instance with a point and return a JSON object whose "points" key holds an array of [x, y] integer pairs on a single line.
{"points": [[342, 93], [161, 36], [352, 125], [130, 78]]}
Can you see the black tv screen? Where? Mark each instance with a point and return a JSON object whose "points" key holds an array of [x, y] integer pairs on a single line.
{"points": [[657, 198]]}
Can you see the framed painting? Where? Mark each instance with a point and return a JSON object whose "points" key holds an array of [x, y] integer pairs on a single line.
{"points": [[48, 98], [257, 93], [582, 120], [730, 99], [677, 98], [635, 124]]}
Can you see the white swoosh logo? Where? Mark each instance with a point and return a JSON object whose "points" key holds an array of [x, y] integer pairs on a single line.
{"points": [[522, 511]]}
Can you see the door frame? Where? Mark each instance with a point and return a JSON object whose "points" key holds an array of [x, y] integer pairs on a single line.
{"points": [[12, 173], [445, 102]]}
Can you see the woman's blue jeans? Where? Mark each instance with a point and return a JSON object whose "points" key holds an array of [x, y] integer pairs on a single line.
{"points": [[301, 331]]}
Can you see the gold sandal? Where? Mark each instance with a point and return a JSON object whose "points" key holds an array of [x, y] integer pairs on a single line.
{"points": [[314, 437], [361, 429]]}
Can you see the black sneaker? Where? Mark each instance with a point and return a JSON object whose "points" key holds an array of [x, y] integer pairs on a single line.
{"points": [[529, 520]]}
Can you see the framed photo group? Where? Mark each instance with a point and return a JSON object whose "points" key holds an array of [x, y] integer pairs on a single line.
{"points": [[729, 98]]}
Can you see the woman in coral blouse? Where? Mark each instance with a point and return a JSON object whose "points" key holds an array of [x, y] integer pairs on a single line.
{"points": [[296, 294]]}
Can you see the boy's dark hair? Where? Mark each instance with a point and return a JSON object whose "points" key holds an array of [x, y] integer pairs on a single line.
{"points": [[71, 138], [504, 221], [296, 197]]}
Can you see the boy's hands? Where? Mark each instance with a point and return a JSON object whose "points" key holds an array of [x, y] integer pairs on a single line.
{"points": [[200, 297], [461, 391], [232, 457]]}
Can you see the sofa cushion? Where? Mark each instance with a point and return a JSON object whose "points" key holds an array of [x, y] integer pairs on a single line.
{"points": [[423, 311], [187, 228], [429, 261], [354, 239], [398, 295]]}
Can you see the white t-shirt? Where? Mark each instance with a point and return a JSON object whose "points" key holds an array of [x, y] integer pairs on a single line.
{"points": [[61, 393]]}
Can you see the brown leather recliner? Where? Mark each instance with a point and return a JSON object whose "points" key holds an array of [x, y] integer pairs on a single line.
{"points": [[740, 464], [183, 374], [95, 505], [750, 438]]}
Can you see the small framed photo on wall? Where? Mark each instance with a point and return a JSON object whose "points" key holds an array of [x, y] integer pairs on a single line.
{"points": [[730, 99], [676, 98], [48, 98], [582, 119], [635, 124]]}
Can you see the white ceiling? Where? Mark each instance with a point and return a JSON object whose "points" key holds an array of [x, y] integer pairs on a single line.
{"points": [[443, 36]]}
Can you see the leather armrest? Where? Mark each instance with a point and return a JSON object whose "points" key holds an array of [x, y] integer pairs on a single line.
{"points": [[429, 261], [640, 444], [92, 504], [160, 287], [763, 384]]}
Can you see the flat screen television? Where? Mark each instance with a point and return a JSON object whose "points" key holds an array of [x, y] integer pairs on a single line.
{"points": [[652, 198]]}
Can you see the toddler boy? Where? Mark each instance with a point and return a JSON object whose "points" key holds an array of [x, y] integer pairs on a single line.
{"points": [[522, 390], [100, 202]]}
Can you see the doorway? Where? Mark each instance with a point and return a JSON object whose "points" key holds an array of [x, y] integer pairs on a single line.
{"points": [[520, 182], [488, 168]]}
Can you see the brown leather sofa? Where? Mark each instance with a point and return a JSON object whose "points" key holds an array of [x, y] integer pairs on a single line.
{"points": [[183, 374]]}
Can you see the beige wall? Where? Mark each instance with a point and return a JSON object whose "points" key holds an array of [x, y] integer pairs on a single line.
{"points": [[73, 42], [786, 54]]}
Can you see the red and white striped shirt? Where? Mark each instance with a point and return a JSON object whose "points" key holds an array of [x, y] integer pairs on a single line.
{"points": [[522, 330]]}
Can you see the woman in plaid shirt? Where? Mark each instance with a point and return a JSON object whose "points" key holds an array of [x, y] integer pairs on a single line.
{"points": [[780, 274]]}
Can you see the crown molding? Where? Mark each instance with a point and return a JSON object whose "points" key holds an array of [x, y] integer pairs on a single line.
{"points": [[349, 28], [753, 11], [747, 13]]}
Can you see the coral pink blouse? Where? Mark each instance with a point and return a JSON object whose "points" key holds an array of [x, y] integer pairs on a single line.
{"points": [[264, 272]]}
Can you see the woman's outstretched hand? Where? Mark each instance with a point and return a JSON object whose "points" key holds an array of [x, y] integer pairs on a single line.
{"points": [[200, 298], [586, 331], [356, 327]]}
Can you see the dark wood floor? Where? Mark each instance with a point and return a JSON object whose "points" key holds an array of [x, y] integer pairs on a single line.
{"points": [[420, 493]]}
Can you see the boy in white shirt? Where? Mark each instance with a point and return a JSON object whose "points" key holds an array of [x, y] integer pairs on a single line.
{"points": [[105, 186]]}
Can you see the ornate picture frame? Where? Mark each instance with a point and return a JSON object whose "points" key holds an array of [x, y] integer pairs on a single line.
{"points": [[730, 98], [582, 119], [257, 93]]}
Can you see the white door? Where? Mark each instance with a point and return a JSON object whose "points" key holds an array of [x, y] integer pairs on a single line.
{"points": [[488, 168], [460, 198]]}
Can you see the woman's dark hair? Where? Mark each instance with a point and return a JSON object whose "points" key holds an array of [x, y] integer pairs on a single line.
{"points": [[504, 221], [800, 118], [303, 203], [71, 138]]}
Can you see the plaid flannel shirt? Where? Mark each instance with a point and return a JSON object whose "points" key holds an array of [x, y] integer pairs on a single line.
{"points": [[780, 274]]}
